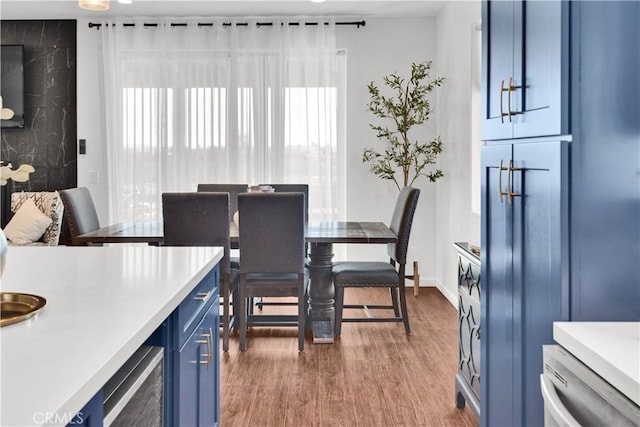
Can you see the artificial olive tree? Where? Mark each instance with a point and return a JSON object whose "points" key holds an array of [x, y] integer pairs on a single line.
{"points": [[406, 107]]}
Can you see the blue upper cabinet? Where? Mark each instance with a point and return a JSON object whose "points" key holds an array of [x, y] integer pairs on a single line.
{"points": [[524, 72]]}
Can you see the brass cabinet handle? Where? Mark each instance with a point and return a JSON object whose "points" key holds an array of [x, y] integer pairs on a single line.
{"points": [[202, 296], [209, 352], [509, 89], [503, 193], [510, 193]]}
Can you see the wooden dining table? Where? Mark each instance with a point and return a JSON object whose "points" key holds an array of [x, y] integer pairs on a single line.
{"points": [[320, 236]]}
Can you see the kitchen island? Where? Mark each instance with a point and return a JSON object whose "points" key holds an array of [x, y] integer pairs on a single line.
{"points": [[103, 303]]}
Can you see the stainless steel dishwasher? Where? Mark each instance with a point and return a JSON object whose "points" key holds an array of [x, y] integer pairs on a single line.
{"points": [[133, 396], [574, 395]]}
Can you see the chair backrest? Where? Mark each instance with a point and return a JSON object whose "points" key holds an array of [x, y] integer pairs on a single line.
{"points": [[80, 214], [272, 232], [50, 203], [232, 189], [197, 219], [401, 222], [295, 188]]}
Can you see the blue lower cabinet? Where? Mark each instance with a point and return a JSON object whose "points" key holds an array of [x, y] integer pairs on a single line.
{"points": [[209, 375], [190, 337], [198, 367]]}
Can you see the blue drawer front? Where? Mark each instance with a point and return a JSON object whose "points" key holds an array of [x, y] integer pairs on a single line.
{"points": [[191, 310]]}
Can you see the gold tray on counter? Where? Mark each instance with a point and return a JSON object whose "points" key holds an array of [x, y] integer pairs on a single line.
{"points": [[16, 307]]}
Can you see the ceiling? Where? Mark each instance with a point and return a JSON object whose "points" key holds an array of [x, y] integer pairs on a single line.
{"points": [[68, 9]]}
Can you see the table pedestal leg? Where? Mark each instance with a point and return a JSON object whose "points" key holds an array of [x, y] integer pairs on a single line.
{"points": [[321, 293]]}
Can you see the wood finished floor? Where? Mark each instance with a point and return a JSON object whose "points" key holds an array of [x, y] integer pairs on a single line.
{"points": [[374, 375]]}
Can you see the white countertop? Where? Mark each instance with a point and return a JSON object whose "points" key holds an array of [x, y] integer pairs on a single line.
{"points": [[610, 349], [102, 304]]}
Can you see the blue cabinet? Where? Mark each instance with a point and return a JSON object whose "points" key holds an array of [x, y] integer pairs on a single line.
{"points": [[605, 162], [524, 258], [567, 246], [525, 71], [190, 337], [198, 365]]}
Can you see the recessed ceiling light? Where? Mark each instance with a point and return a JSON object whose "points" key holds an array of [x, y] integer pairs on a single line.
{"points": [[125, 1], [317, 1], [99, 5]]}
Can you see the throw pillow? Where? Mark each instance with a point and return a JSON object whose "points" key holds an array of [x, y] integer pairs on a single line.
{"points": [[27, 225]]}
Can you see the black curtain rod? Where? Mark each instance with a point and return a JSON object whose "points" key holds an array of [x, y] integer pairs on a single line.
{"points": [[358, 24]]}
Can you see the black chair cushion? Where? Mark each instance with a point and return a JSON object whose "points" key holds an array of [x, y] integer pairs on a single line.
{"points": [[360, 273], [275, 279]]}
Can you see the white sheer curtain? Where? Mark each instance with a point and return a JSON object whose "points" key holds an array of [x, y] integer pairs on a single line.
{"points": [[222, 103]]}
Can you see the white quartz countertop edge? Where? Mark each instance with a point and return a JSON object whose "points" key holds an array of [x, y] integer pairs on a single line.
{"points": [[610, 349]]}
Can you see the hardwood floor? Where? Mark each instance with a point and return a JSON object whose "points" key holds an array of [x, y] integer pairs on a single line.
{"points": [[374, 375]]}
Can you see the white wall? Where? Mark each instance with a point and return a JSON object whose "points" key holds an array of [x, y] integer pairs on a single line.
{"points": [[383, 46], [92, 167], [454, 217]]}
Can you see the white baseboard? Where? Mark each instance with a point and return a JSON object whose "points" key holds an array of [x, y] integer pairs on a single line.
{"points": [[450, 296], [433, 283], [424, 283]]}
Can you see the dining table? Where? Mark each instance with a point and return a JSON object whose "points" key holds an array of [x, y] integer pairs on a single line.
{"points": [[320, 236]]}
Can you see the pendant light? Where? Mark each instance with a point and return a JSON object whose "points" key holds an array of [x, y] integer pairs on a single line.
{"points": [[98, 5]]}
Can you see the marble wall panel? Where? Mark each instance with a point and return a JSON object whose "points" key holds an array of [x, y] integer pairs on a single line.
{"points": [[48, 140]]}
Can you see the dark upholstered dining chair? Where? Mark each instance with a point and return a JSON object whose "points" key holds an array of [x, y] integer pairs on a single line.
{"points": [[80, 215], [272, 257], [202, 219], [232, 189], [294, 188], [288, 188], [362, 274]]}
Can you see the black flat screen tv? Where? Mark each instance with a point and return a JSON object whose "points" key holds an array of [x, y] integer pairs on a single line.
{"points": [[12, 84]]}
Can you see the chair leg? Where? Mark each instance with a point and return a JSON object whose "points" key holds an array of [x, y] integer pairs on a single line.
{"points": [[394, 301], [243, 320], [416, 278], [225, 316], [235, 298], [403, 307], [339, 302], [301, 316]]}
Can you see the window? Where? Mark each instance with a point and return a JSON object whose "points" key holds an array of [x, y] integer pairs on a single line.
{"points": [[268, 107]]}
